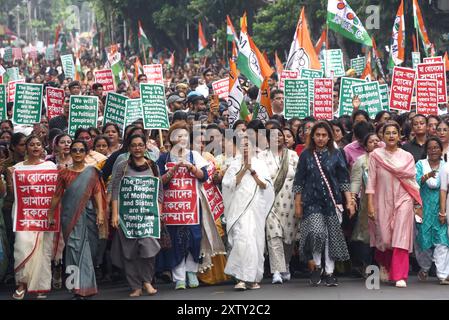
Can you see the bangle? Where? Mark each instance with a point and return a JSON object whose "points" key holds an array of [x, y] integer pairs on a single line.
{"points": [[441, 215]]}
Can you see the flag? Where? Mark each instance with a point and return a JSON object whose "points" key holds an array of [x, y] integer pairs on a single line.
{"points": [[397, 48], [202, 43], [367, 73], [231, 35], [320, 42], [419, 25], [302, 53], [244, 112], [279, 66], [138, 68], [187, 54], [235, 52], [446, 61], [118, 71], [262, 110], [57, 31], [143, 39], [235, 94], [250, 61], [171, 61], [376, 56], [17, 54], [343, 20]]}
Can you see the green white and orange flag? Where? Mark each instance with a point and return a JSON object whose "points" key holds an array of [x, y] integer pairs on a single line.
{"points": [[419, 25], [397, 48], [202, 43], [78, 70], [321, 41], [343, 20], [138, 68], [235, 98], [376, 57], [302, 53], [235, 51], [171, 61], [143, 39], [250, 60], [231, 35]]}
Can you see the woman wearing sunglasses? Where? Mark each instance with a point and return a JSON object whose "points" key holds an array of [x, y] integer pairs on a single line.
{"points": [[82, 197]]}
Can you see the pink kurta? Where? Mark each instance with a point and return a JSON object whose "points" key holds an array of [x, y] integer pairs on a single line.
{"points": [[393, 225]]}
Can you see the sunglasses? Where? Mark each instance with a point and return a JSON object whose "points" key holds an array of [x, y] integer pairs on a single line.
{"points": [[77, 150]]}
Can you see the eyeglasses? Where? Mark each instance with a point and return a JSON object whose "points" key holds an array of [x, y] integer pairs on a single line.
{"points": [[77, 150]]}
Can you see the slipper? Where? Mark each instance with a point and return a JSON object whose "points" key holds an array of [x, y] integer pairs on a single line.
{"points": [[254, 286], [18, 295]]}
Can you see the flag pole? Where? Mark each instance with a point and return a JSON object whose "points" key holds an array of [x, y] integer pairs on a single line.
{"points": [[417, 39], [144, 54], [161, 140]]}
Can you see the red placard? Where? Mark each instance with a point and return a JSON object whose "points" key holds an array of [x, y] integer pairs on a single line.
{"points": [[213, 194], [402, 86], [55, 102], [433, 59], [12, 89], [427, 97], [1, 79], [154, 73], [221, 87], [180, 205], [287, 74], [33, 190], [106, 78], [435, 71], [322, 100]]}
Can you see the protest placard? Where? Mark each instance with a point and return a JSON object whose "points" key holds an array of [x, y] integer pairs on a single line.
{"points": [[12, 89], [402, 86], [296, 98], [310, 74], [114, 110], [139, 207], [180, 205], [27, 103], [287, 74], [432, 59], [68, 66], [384, 96], [105, 78], [416, 59], [83, 112], [33, 191], [3, 114], [155, 114], [435, 71], [322, 99], [427, 97], [221, 87], [50, 53], [369, 96], [154, 73], [345, 101], [333, 62], [13, 74], [213, 194], [133, 111], [54, 98], [7, 57], [358, 64]]}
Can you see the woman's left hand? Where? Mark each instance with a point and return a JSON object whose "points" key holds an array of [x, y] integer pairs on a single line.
{"points": [[351, 209], [100, 219], [418, 211]]}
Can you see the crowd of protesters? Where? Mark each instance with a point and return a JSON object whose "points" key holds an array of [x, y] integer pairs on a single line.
{"points": [[324, 197]]}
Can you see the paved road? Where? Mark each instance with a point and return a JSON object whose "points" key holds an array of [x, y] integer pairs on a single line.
{"points": [[296, 289]]}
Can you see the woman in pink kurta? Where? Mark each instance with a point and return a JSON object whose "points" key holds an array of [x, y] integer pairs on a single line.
{"points": [[392, 194]]}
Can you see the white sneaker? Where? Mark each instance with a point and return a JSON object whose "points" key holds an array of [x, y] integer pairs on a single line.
{"points": [[277, 277], [286, 276], [401, 284]]}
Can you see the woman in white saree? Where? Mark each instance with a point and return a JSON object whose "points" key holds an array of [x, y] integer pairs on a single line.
{"points": [[248, 196]]}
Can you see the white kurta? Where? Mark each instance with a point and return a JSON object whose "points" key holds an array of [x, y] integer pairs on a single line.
{"points": [[246, 209]]}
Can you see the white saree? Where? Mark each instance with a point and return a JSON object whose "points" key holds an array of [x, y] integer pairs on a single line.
{"points": [[246, 209]]}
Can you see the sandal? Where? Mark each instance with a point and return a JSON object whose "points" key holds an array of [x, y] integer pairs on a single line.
{"points": [[19, 295]]}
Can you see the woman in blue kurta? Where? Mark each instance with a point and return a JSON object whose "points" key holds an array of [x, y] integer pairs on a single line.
{"points": [[432, 234], [183, 257]]}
